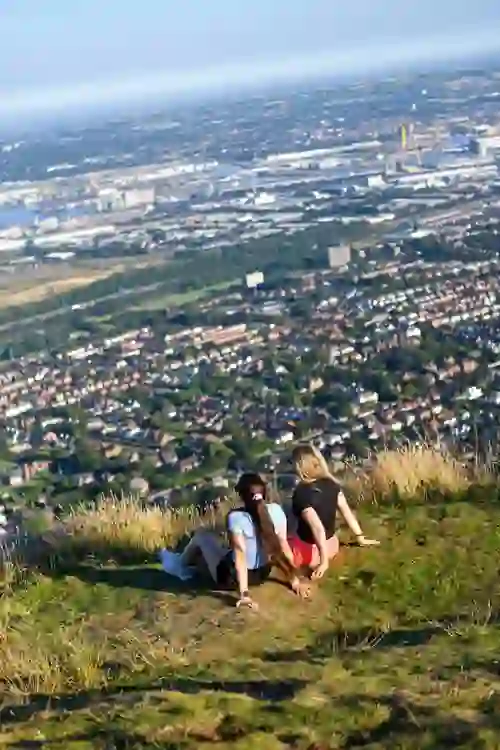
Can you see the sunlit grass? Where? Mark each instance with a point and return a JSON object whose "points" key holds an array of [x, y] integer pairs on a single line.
{"points": [[412, 471], [123, 529], [397, 648]]}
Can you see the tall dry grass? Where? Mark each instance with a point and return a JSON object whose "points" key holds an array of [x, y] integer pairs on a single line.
{"points": [[411, 471], [125, 529], [71, 658], [43, 663], [13, 569]]}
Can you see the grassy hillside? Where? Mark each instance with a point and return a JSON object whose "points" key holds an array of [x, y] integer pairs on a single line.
{"points": [[398, 648]]}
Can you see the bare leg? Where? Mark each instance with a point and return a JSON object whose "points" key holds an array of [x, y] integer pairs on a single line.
{"points": [[333, 548], [208, 545]]}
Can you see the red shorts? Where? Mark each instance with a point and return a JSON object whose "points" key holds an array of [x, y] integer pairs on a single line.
{"points": [[302, 552]]}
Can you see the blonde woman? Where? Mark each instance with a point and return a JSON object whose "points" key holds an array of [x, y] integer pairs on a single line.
{"points": [[315, 502]]}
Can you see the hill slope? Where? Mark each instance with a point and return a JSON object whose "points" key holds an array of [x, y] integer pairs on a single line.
{"points": [[398, 648]]}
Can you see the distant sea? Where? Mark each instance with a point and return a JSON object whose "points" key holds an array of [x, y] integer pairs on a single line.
{"points": [[16, 216], [20, 216]]}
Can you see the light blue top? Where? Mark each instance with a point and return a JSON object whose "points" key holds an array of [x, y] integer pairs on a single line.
{"points": [[240, 522]]}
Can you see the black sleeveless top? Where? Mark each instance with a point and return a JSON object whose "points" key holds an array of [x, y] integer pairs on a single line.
{"points": [[322, 496]]}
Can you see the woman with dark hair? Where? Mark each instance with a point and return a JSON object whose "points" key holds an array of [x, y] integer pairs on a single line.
{"points": [[258, 541]]}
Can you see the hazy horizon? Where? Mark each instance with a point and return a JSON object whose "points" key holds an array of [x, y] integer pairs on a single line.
{"points": [[89, 54]]}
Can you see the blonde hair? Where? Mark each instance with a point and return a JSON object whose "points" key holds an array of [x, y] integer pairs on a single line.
{"points": [[310, 464]]}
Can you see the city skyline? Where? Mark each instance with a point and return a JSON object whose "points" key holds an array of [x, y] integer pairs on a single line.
{"points": [[85, 55]]}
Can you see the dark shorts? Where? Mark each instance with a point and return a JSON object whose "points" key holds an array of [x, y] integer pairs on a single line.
{"points": [[226, 573]]}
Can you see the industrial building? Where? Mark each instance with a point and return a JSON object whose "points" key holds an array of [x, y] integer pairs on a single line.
{"points": [[483, 146], [111, 199], [339, 256], [139, 197]]}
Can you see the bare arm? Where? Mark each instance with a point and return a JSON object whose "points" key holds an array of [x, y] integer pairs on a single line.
{"points": [[285, 547], [353, 523], [240, 562], [348, 515], [318, 531], [295, 583]]}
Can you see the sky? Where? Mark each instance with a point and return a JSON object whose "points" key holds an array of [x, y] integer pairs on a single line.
{"points": [[57, 54]]}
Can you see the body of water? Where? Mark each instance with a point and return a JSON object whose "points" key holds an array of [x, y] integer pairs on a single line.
{"points": [[20, 216]]}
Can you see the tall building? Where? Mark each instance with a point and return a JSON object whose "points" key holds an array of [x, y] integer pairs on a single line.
{"points": [[339, 255], [254, 280]]}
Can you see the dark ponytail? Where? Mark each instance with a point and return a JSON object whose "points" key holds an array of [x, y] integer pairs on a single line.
{"points": [[255, 506]]}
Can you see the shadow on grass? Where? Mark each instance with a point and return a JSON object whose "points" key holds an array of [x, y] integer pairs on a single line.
{"points": [[409, 634], [277, 690], [149, 578], [408, 724], [470, 667], [144, 578], [336, 641], [104, 739], [408, 721]]}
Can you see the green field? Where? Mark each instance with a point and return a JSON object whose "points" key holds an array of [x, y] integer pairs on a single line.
{"points": [[399, 648], [184, 298]]}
